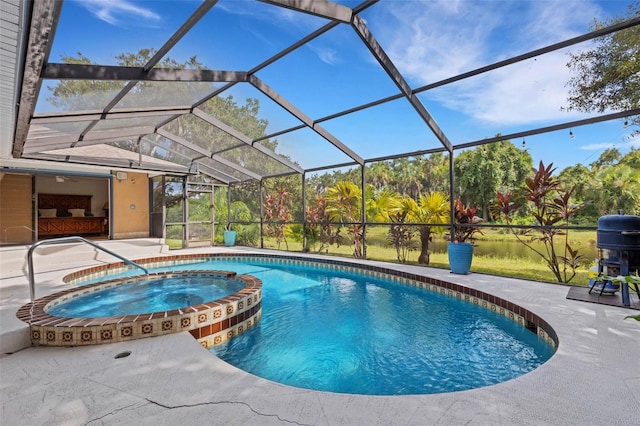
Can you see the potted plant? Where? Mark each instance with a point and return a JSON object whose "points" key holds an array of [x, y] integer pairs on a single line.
{"points": [[603, 283], [459, 249], [625, 282], [229, 236]]}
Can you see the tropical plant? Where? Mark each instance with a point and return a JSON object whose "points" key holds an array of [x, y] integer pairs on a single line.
{"points": [[245, 234], [431, 209], [344, 205], [276, 214], [380, 204], [481, 172], [434, 171], [401, 234], [406, 177], [617, 188], [550, 207], [620, 280], [378, 174], [465, 219], [319, 228]]}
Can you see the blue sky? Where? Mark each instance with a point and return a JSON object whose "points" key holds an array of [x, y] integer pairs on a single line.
{"points": [[427, 40]]}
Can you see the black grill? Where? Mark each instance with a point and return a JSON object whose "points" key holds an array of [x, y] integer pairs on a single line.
{"points": [[619, 244], [619, 249]]}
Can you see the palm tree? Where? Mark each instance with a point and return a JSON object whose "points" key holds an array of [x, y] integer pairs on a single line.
{"points": [[378, 174], [431, 209], [380, 205], [618, 188], [407, 177], [344, 205]]}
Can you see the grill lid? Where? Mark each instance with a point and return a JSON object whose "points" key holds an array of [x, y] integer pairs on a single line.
{"points": [[619, 232], [619, 222]]}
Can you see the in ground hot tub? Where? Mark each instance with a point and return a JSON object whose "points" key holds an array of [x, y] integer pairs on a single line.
{"points": [[211, 322]]}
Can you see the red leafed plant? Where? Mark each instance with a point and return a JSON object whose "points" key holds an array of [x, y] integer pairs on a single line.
{"points": [[465, 216], [277, 214], [550, 207]]}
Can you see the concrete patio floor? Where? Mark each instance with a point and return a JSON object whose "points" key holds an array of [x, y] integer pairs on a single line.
{"points": [[593, 379]]}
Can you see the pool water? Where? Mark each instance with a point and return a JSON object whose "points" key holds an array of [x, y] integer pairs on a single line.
{"points": [[153, 295], [337, 331]]}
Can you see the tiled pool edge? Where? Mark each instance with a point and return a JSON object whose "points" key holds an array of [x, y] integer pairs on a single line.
{"points": [[210, 323], [508, 309]]}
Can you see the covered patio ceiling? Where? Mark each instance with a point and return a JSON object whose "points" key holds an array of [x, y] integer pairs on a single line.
{"points": [[157, 119]]}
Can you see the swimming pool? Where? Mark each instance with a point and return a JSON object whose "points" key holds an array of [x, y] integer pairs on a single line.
{"points": [[348, 332], [400, 298]]}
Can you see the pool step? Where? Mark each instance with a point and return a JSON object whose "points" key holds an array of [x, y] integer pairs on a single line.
{"points": [[46, 257]]}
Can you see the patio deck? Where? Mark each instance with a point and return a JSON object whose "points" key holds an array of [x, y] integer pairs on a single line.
{"points": [[593, 379]]}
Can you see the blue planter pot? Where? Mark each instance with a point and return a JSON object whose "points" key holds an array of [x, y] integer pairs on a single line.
{"points": [[229, 238], [460, 257]]}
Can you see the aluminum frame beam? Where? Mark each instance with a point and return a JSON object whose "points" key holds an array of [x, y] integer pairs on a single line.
{"points": [[243, 138], [321, 8], [59, 117], [230, 179], [173, 40], [85, 160], [207, 153], [195, 160], [60, 71], [553, 128], [274, 96], [110, 135], [45, 16], [383, 59]]}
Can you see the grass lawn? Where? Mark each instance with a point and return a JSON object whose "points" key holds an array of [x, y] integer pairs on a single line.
{"points": [[531, 268]]}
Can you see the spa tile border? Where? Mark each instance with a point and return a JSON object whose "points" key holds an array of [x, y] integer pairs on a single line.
{"points": [[210, 323], [522, 316]]}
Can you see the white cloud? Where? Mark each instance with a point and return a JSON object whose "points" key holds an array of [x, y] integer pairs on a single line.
{"points": [[271, 14], [527, 92], [326, 54], [627, 143], [434, 39], [445, 38], [115, 12]]}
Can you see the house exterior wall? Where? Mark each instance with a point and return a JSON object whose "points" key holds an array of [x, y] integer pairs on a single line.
{"points": [[16, 212], [131, 206]]}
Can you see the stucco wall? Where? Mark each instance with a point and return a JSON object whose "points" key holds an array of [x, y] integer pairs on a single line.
{"points": [[16, 213], [131, 206]]}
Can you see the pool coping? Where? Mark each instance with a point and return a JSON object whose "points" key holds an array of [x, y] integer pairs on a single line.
{"points": [[55, 331]]}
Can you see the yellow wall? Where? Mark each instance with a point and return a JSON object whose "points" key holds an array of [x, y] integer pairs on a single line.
{"points": [[131, 206], [15, 209]]}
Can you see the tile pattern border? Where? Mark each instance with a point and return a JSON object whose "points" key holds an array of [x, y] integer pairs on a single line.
{"points": [[209, 322], [522, 316], [516, 313]]}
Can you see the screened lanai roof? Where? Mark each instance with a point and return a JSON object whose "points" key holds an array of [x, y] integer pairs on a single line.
{"points": [[337, 83]]}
